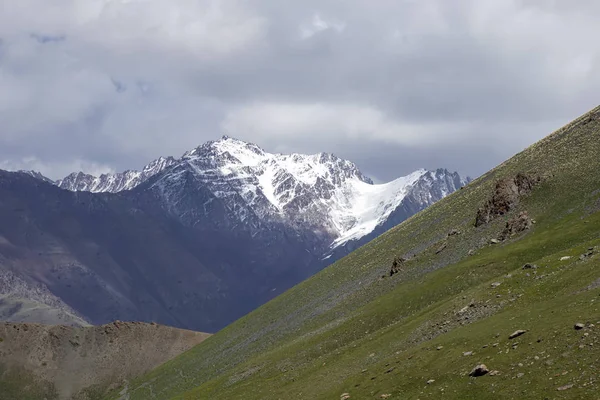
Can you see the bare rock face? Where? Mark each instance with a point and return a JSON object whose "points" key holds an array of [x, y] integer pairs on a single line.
{"points": [[506, 197]]}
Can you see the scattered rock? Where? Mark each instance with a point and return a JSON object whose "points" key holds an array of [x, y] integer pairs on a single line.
{"points": [[385, 396], [454, 232], [440, 347], [565, 258], [471, 252], [479, 370], [494, 241], [494, 373], [579, 326], [441, 248], [390, 370], [516, 334], [496, 284], [530, 266], [345, 396], [467, 353], [520, 375], [587, 254], [507, 194], [516, 225], [429, 382], [566, 387], [397, 265]]}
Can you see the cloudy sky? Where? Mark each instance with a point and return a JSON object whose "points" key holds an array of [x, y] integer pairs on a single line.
{"points": [[394, 85]]}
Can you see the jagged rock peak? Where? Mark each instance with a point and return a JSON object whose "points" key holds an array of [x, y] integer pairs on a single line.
{"points": [[36, 174], [233, 183]]}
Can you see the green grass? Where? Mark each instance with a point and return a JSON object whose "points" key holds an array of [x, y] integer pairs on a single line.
{"points": [[17, 383], [315, 340]]}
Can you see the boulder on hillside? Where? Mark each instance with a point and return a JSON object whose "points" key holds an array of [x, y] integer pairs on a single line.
{"points": [[479, 370], [441, 248], [518, 333], [397, 265], [530, 266]]}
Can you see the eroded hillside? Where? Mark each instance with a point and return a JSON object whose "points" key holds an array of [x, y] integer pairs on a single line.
{"points": [[62, 362]]}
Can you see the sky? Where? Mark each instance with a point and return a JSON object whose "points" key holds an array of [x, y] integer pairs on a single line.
{"points": [[393, 85]]}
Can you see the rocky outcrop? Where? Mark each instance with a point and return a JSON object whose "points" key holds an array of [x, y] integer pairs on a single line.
{"points": [[516, 225], [506, 197]]}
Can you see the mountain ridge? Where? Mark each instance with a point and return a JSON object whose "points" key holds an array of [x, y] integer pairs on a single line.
{"points": [[200, 243], [321, 191]]}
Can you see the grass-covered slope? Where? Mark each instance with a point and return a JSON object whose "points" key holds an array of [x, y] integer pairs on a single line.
{"points": [[349, 332]]}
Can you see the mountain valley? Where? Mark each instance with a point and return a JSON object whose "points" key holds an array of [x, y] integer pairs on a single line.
{"points": [[491, 292]]}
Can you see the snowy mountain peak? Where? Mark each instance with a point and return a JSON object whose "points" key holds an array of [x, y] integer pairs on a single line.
{"points": [[319, 192], [36, 174], [127, 180]]}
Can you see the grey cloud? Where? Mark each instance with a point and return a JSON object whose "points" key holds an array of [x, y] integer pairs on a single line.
{"points": [[392, 85]]}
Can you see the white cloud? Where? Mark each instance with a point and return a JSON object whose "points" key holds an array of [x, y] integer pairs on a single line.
{"points": [[318, 24], [272, 122], [203, 28], [119, 82]]}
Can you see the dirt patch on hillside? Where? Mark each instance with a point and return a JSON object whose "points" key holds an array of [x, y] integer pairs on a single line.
{"points": [[80, 360], [507, 194]]}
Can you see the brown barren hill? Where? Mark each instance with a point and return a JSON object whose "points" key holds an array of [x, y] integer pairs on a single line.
{"points": [[63, 362]]}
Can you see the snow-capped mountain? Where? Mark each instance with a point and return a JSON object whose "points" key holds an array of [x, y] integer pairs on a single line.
{"points": [[36, 175], [80, 182], [201, 240], [320, 192]]}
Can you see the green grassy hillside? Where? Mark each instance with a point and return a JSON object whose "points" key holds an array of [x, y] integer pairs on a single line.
{"points": [[349, 331]]}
